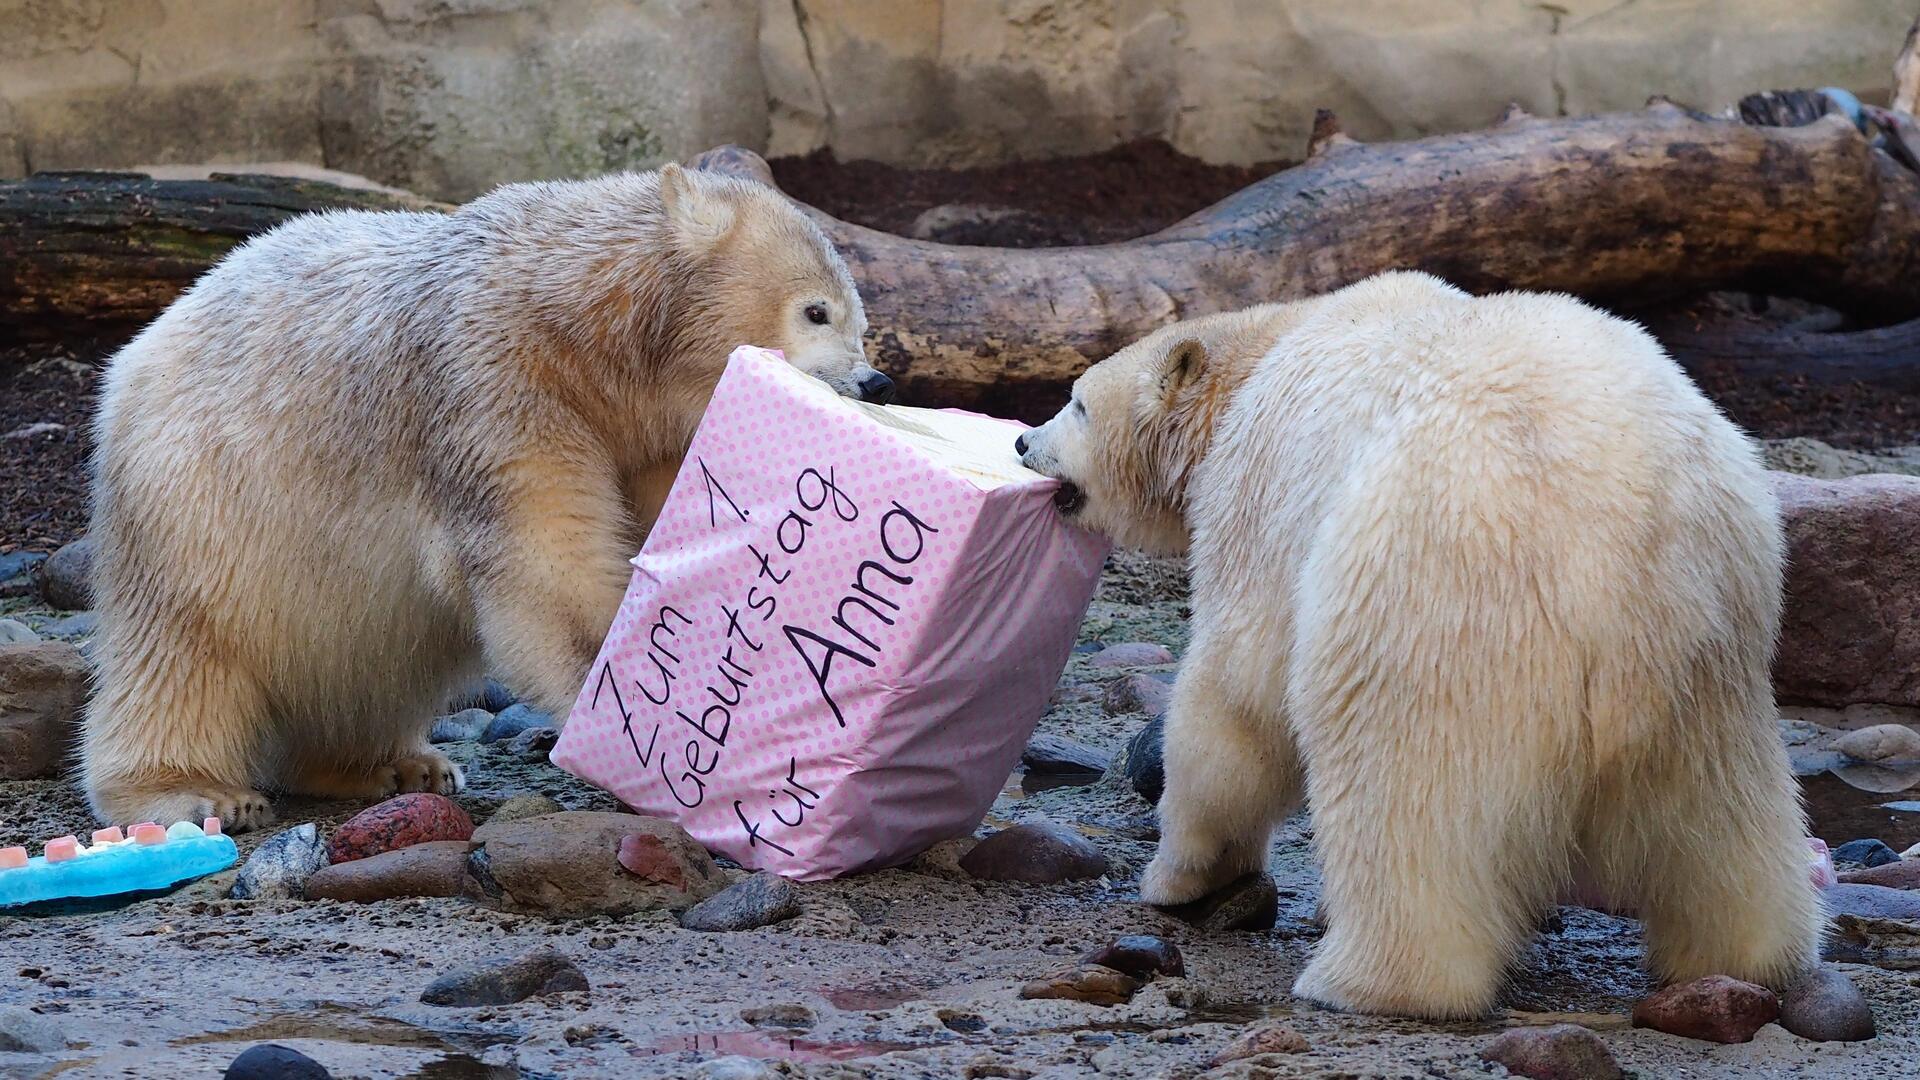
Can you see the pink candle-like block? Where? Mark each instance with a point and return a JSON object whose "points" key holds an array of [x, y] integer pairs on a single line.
{"points": [[148, 833], [211, 827], [63, 849], [12, 858], [110, 835]]}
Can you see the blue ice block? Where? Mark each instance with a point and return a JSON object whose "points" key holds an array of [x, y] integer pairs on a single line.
{"points": [[125, 866]]}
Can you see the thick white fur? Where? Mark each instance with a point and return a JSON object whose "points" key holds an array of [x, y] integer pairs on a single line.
{"points": [[1492, 586], [371, 454]]}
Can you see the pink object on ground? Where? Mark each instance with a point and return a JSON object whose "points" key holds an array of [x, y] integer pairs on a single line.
{"points": [[109, 835], [63, 849], [1822, 870], [149, 833], [12, 858], [211, 826], [841, 631]]}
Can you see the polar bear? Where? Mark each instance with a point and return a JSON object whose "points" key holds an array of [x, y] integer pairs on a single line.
{"points": [[371, 454], [1492, 586]]}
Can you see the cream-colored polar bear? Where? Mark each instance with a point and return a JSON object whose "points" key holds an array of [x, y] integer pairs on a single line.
{"points": [[1495, 588], [371, 454]]}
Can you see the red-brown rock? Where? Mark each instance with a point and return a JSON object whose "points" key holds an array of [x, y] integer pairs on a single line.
{"points": [[1266, 1037], [1904, 874], [43, 684], [1851, 632], [580, 863], [1717, 1008], [402, 821], [652, 858], [435, 868]]}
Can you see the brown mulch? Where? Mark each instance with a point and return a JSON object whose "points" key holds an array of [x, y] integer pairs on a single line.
{"points": [[1129, 191], [43, 476]]}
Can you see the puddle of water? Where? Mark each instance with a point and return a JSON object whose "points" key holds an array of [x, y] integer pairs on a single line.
{"points": [[463, 1067], [366, 1030], [1841, 812], [770, 1044]]}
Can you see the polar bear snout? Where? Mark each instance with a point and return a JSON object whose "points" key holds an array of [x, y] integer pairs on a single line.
{"points": [[875, 387]]}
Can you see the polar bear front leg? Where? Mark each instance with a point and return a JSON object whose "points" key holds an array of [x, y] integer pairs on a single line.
{"points": [[1232, 774]]}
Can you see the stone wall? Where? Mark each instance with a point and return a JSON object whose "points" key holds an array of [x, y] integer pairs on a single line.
{"points": [[452, 96]]}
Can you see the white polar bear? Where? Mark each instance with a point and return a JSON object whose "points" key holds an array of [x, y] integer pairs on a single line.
{"points": [[1495, 588]]}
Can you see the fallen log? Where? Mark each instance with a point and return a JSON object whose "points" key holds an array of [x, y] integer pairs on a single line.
{"points": [[1621, 207], [1617, 208]]}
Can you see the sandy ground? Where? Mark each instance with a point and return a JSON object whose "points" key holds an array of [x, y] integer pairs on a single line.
{"points": [[911, 972]]}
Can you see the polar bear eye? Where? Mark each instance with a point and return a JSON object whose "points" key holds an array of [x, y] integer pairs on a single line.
{"points": [[817, 314]]}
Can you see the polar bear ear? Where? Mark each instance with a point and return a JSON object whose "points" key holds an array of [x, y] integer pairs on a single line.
{"points": [[699, 215], [1184, 362]]}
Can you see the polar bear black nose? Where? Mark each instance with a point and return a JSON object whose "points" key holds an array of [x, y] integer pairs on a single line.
{"points": [[876, 388], [1020, 446]]}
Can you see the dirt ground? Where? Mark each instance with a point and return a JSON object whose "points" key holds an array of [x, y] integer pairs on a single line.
{"points": [[912, 972]]}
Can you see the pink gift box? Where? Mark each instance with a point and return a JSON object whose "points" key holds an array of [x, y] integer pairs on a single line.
{"points": [[840, 633]]}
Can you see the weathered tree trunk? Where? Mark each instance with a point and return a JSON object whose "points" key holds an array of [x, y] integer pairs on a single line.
{"points": [[1617, 207], [116, 248]]}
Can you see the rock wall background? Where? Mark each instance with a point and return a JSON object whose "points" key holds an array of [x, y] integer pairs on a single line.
{"points": [[449, 97]]}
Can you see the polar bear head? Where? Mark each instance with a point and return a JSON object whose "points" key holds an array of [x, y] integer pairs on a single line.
{"points": [[1140, 421]]}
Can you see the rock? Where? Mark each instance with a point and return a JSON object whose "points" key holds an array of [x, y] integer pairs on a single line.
{"points": [[1865, 853], [1881, 742], [737, 1067], [401, 821], [77, 625], [1131, 654], [1140, 955], [13, 631], [1853, 590], [17, 572], [1248, 902], [1136, 694], [1714, 1009], [1560, 1052], [1888, 779], [1871, 902], [463, 726], [969, 223], [1898, 874], [43, 685], [1826, 1007], [66, 577], [542, 971], [492, 697], [1266, 1037], [1146, 766], [23, 1031], [533, 744], [1090, 983], [761, 900], [1056, 755], [579, 863], [525, 806], [513, 720], [279, 868], [434, 868], [271, 1061], [1039, 852]]}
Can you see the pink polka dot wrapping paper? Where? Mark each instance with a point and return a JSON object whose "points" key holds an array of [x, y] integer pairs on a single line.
{"points": [[834, 646]]}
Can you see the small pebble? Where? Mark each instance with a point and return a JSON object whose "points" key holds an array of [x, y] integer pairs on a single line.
{"points": [[401, 821], [1881, 742], [1146, 767], [760, 900], [466, 725], [525, 806], [1560, 1052], [1136, 694], [1131, 654], [435, 868], [1826, 1007], [1266, 1037], [1140, 955], [271, 1061], [1249, 902], [23, 1031], [542, 971], [1866, 853], [1090, 983], [66, 576], [279, 868], [736, 1067], [513, 720], [1713, 1009], [1039, 852], [1056, 755], [533, 744]]}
